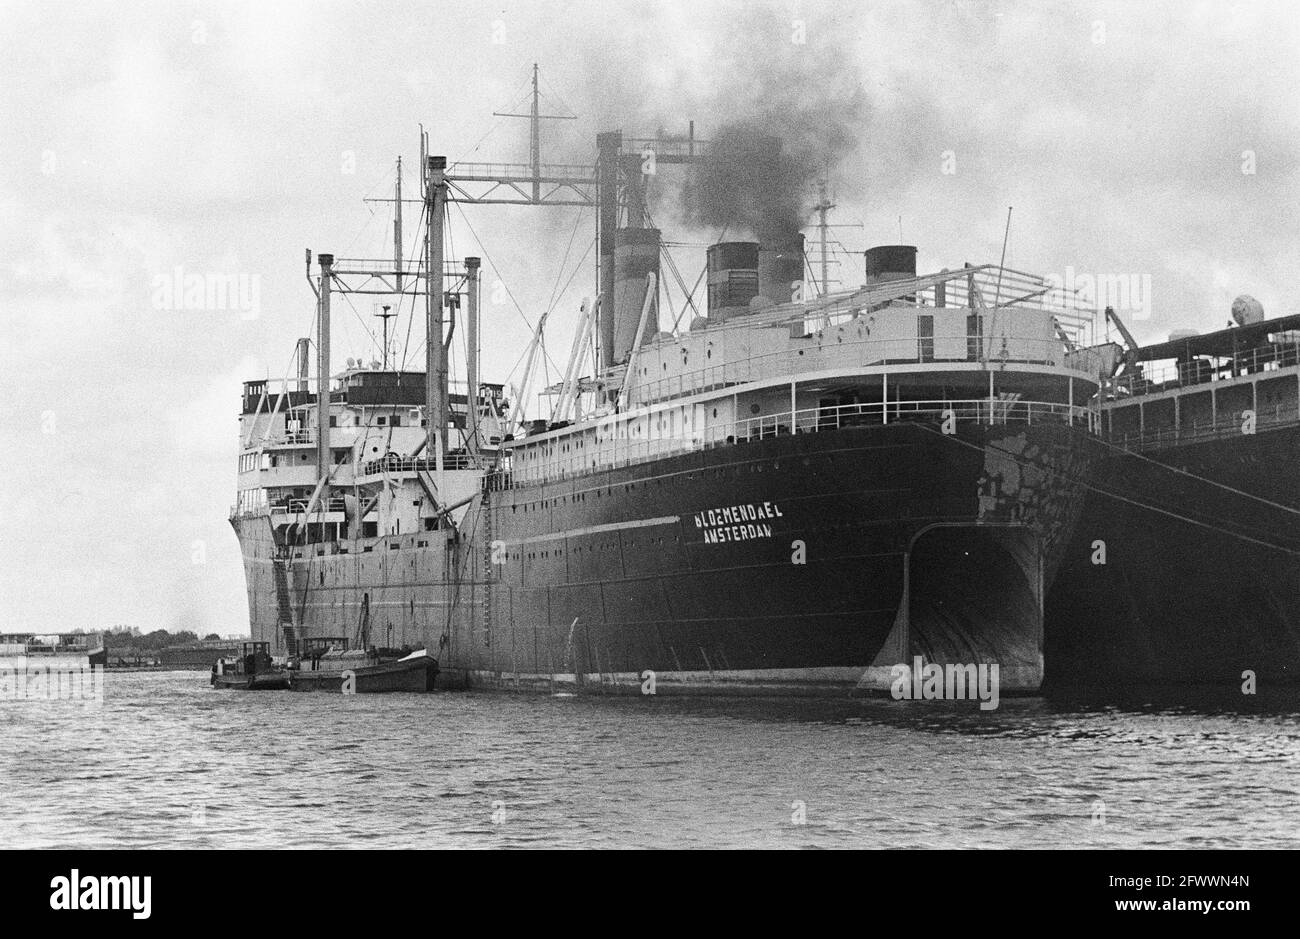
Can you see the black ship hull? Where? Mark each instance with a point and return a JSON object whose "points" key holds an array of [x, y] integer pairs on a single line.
{"points": [[1200, 581], [794, 564]]}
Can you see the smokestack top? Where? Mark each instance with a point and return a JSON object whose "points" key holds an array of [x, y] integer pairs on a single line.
{"points": [[472, 263], [732, 255], [437, 162], [890, 262], [636, 236], [732, 278], [326, 260]]}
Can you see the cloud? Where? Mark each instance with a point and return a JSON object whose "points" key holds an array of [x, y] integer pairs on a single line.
{"points": [[225, 138]]}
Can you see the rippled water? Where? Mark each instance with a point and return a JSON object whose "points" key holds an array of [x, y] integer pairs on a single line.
{"points": [[167, 761]]}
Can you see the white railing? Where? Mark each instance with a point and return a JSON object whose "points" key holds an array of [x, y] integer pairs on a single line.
{"points": [[1202, 371], [399, 464], [855, 353], [299, 506], [624, 450], [1230, 425], [301, 438], [980, 411]]}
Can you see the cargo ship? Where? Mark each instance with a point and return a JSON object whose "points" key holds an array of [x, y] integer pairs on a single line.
{"points": [[795, 490], [1185, 567]]}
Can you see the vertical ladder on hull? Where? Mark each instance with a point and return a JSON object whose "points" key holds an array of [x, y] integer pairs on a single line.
{"points": [[487, 578], [284, 604]]}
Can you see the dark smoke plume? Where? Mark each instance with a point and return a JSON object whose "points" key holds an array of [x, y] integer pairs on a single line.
{"points": [[786, 113], [778, 105], [751, 186]]}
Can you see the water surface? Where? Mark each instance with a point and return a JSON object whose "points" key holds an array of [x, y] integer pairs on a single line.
{"points": [[166, 761]]}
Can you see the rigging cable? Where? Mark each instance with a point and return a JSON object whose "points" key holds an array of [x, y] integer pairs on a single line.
{"points": [[551, 301], [690, 296], [494, 125], [419, 268], [1204, 479], [1112, 495], [504, 285]]}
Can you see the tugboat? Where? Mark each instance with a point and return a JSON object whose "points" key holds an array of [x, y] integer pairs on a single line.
{"points": [[252, 671]]}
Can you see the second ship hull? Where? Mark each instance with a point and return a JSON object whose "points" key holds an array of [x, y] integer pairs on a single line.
{"points": [[1200, 577]]}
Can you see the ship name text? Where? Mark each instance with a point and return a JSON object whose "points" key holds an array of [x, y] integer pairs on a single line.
{"points": [[737, 522]]}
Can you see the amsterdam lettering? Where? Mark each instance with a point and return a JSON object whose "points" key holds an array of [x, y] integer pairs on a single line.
{"points": [[737, 522]]}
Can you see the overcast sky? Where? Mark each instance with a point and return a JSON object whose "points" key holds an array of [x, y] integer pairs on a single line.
{"points": [[1151, 139]]}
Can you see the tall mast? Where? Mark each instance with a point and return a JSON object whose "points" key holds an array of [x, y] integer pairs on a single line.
{"points": [[471, 355], [397, 228], [534, 174], [823, 206], [323, 377], [535, 142], [435, 376], [386, 316]]}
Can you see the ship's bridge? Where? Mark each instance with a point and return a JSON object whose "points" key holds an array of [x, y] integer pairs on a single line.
{"points": [[376, 420]]}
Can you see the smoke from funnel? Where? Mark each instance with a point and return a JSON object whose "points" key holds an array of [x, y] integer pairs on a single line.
{"points": [[749, 185], [779, 112], [784, 118]]}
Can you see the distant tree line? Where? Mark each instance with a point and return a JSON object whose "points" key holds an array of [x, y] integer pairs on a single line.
{"points": [[127, 638]]}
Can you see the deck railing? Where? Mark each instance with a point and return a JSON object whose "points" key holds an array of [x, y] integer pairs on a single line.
{"points": [[1232, 425], [624, 451], [981, 411], [299, 506], [850, 353], [399, 464], [1202, 371]]}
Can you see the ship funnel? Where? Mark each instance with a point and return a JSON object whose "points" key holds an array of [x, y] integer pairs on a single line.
{"points": [[890, 262], [733, 278], [636, 255]]}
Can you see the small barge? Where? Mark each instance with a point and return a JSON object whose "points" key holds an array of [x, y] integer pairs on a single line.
{"points": [[355, 671], [329, 666]]}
